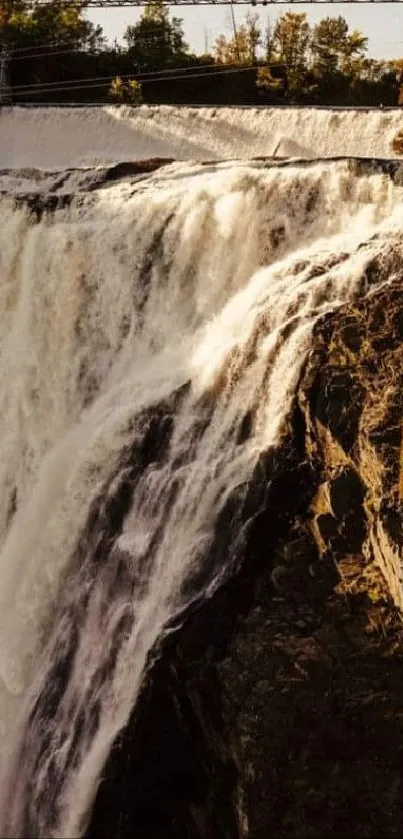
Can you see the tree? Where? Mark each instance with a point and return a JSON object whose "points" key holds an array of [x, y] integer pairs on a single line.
{"points": [[242, 48], [10, 9], [266, 81], [39, 31], [374, 82], [53, 23], [129, 92], [268, 42], [156, 41], [66, 25], [291, 38], [232, 50], [14, 22], [334, 48], [253, 35]]}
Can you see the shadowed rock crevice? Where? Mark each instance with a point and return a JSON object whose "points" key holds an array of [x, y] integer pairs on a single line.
{"points": [[275, 709]]}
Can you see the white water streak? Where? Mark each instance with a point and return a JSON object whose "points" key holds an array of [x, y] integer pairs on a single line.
{"points": [[106, 308], [54, 138]]}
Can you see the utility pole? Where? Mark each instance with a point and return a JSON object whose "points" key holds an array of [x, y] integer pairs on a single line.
{"points": [[235, 33], [5, 92]]}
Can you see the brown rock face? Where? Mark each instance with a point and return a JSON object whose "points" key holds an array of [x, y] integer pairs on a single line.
{"points": [[353, 393], [276, 710]]}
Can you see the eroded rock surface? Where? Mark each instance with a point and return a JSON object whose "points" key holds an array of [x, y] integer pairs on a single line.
{"points": [[276, 709]]}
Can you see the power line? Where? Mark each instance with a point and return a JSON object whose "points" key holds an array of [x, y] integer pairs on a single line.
{"points": [[76, 50], [141, 76], [94, 52], [111, 4], [27, 91], [41, 45], [70, 49]]}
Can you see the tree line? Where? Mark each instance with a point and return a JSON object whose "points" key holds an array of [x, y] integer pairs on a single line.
{"points": [[57, 54], [326, 63]]}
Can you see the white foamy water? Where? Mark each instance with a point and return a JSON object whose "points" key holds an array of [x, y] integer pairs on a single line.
{"points": [[139, 326], [52, 138]]}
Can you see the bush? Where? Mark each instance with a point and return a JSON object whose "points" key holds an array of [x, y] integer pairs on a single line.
{"points": [[266, 81], [125, 92]]}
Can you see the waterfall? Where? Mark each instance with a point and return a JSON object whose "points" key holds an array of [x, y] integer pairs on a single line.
{"points": [[57, 137], [152, 334]]}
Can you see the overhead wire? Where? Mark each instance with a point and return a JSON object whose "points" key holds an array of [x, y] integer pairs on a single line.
{"points": [[77, 50], [70, 49], [14, 54], [64, 87], [46, 54], [40, 46], [168, 73], [175, 73], [67, 48]]}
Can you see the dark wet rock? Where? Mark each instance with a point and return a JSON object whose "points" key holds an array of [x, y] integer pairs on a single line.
{"points": [[275, 710], [132, 168], [391, 515], [40, 204], [336, 400], [351, 336], [46, 191]]}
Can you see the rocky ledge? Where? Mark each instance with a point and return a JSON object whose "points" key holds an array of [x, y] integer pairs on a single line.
{"points": [[276, 709]]}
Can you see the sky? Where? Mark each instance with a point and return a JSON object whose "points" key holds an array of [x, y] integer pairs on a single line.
{"points": [[382, 23]]}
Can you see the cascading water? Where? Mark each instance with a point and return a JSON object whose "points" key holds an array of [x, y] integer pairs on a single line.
{"points": [[57, 137], [152, 333]]}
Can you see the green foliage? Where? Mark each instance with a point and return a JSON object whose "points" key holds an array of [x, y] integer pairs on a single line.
{"points": [[266, 81], [242, 48], [51, 23], [290, 45], [125, 92], [334, 48], [326, 63], [156, 41], [134, 92]]}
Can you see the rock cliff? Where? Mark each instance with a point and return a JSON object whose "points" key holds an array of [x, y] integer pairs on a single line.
{"points": [[275, 710]]}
